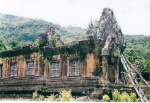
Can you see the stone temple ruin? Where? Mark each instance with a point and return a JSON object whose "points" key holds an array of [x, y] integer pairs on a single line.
{"points": [[89, 67]]}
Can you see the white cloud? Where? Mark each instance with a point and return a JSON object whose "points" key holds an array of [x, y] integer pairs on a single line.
{"points": [[132, 15]]}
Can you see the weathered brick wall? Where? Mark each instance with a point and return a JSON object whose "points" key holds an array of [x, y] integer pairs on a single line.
{"points": [[21, 64]]}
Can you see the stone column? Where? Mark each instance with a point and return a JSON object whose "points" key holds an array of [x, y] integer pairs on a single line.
{"points": [[119, 72], [5, 68], [36, 65], [105, 66], [21, 66], [64, 66], [40, 66], [46, 68]]}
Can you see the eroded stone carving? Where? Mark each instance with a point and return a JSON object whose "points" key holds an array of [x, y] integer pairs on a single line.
{"points": [[44, 40], [108, 30]]}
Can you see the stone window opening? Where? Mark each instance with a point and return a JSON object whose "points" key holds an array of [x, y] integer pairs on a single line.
{"points": [[13, 69], [54, 69], [29, 68], [74, 68], [1, 70]]}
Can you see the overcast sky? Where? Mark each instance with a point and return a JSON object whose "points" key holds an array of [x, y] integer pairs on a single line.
{"points": [[133, 16]]}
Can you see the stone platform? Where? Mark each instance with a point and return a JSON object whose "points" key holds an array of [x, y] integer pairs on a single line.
{"points": [[80, 86]]}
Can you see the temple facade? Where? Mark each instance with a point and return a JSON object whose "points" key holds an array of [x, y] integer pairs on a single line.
{"points": [[80, 66], [78, 59]]}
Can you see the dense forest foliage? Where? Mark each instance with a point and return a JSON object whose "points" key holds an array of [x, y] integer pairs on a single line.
{"points": [[19, 31], [138, 50]]}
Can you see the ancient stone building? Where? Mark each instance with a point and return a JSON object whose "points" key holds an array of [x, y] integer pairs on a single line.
{"points": [[80, 66], [80, 59]]}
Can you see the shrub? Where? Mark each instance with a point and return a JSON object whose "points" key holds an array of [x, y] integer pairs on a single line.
{"points": [[35, 95], [65, 96], [133, 97], [41, 98], [125, 97], [116, 96], [52, 97], [106, 98]]}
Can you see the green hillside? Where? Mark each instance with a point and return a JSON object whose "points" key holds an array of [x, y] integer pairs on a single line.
{"points": [[138, 50], [17, 31]]}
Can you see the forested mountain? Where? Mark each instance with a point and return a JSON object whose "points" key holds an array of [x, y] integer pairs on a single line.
{"points": [[138, 50], [17, 31]]}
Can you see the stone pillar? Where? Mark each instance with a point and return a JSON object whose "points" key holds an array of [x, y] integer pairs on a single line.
{"points": [[40, 66], [5, 68], [46, 68], [120, 76], [24, 66], [83, 68], [21, 66], [68, 67], [105, 66], [36, 65], [64, 66]]}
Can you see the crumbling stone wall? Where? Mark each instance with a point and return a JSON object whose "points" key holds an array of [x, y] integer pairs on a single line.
{"points": [[92, 53], [86, 51], [21, 64]]}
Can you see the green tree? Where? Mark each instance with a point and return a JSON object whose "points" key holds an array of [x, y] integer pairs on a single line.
{"points": [[2, 46]]}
